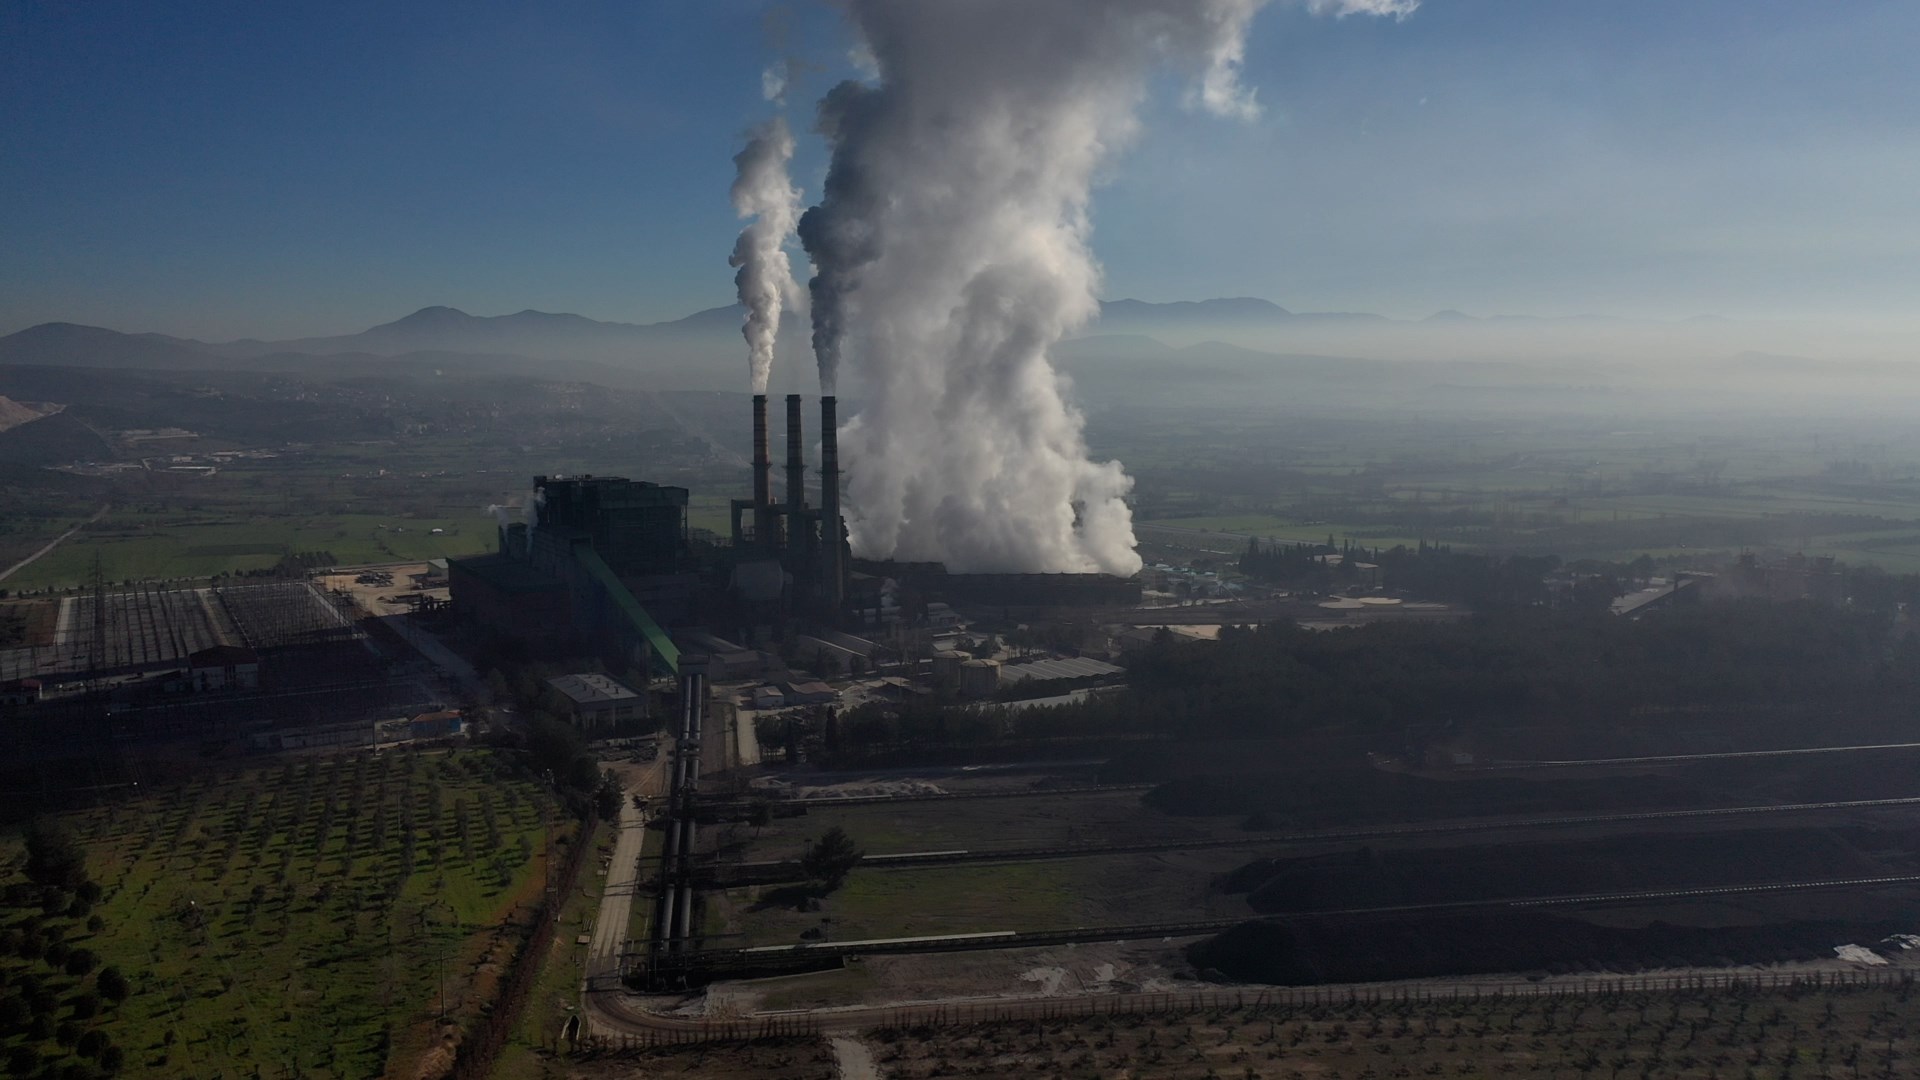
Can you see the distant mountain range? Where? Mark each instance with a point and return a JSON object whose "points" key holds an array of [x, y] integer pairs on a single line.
{"points": [[693, 345], [1134, 347]]}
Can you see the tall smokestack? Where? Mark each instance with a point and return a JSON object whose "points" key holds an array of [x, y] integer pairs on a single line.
{"points": [[832, 534], [762, 475], [796, 467]]}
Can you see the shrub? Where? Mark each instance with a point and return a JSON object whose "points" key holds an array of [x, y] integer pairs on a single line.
{"points": [[86, 1005], [81, 961], [91, 1044], [111, 984]]}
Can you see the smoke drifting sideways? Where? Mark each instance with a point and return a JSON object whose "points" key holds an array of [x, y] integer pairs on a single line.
{"points": [[950, 253], [762, 192]]}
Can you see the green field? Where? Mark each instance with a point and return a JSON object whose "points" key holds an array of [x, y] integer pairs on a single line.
{"points": [[316, 915]]}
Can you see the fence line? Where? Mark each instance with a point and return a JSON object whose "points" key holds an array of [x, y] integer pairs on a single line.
{"points": [[967, 1014], [481, 1048]]}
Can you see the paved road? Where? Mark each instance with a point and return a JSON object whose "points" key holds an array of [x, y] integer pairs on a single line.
{"points": [[623, 878], [51, 544], [616, 901]]}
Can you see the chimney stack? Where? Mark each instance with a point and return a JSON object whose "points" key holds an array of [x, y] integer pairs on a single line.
{"points": [[796, 468], [762, 475], [833, 544]]}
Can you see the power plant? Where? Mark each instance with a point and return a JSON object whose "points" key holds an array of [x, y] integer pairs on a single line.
{"points": [[605, 564]]}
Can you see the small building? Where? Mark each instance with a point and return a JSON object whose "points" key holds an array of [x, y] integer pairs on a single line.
{"points": [[767, 698], [434, 575], [435, 725], [223, 667], [809, 693], [940, 616], [598, 701], [826, 657], [19, 692]]}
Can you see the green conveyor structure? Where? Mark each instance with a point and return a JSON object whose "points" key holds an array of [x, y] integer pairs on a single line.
{"points": [[656, 638]]}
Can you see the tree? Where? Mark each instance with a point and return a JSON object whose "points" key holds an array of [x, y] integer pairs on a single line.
{"points": [[831, 858], [113, 985], [91, 1044], [607, 796], [112, 1058], [759, 815], [81, 961], [86, 1005], [54, 855]]}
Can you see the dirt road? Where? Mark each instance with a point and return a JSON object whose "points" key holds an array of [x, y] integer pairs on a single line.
{"points": [[54, 543]]}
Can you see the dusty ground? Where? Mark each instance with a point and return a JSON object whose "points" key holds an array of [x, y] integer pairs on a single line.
{"points": [[372, 598], [1102, 967]]}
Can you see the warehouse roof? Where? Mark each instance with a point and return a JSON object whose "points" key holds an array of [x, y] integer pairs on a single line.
{"points": [[1078, 667], [590, 689]]}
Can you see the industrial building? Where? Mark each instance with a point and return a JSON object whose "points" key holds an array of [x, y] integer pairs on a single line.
{"points": [[605, 565], [599, 565], [598, 703]]}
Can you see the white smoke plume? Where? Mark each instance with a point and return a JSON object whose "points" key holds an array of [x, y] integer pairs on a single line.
{"points": [[762, 192], [773, 83], [950, 252]]}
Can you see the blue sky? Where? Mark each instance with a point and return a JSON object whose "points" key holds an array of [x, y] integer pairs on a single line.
{"points": [[226, 169]]}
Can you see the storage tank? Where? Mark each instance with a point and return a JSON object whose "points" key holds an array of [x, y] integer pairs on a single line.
{"points": [[979, 678], [946, 667]]}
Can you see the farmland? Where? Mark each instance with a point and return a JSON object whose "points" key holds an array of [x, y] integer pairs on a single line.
{"points": [[1840, 1032], [324, 913], [1603, 486]]}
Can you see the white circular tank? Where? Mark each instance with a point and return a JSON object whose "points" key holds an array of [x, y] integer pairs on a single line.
{"points": [[979, 678], [946, 667]]}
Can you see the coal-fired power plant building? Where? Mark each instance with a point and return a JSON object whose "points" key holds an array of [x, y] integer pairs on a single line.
{"points": [[603, 565], [606, 565]]}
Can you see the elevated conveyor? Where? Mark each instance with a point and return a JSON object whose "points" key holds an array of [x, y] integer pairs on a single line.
{"points": [[657, 640]]}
